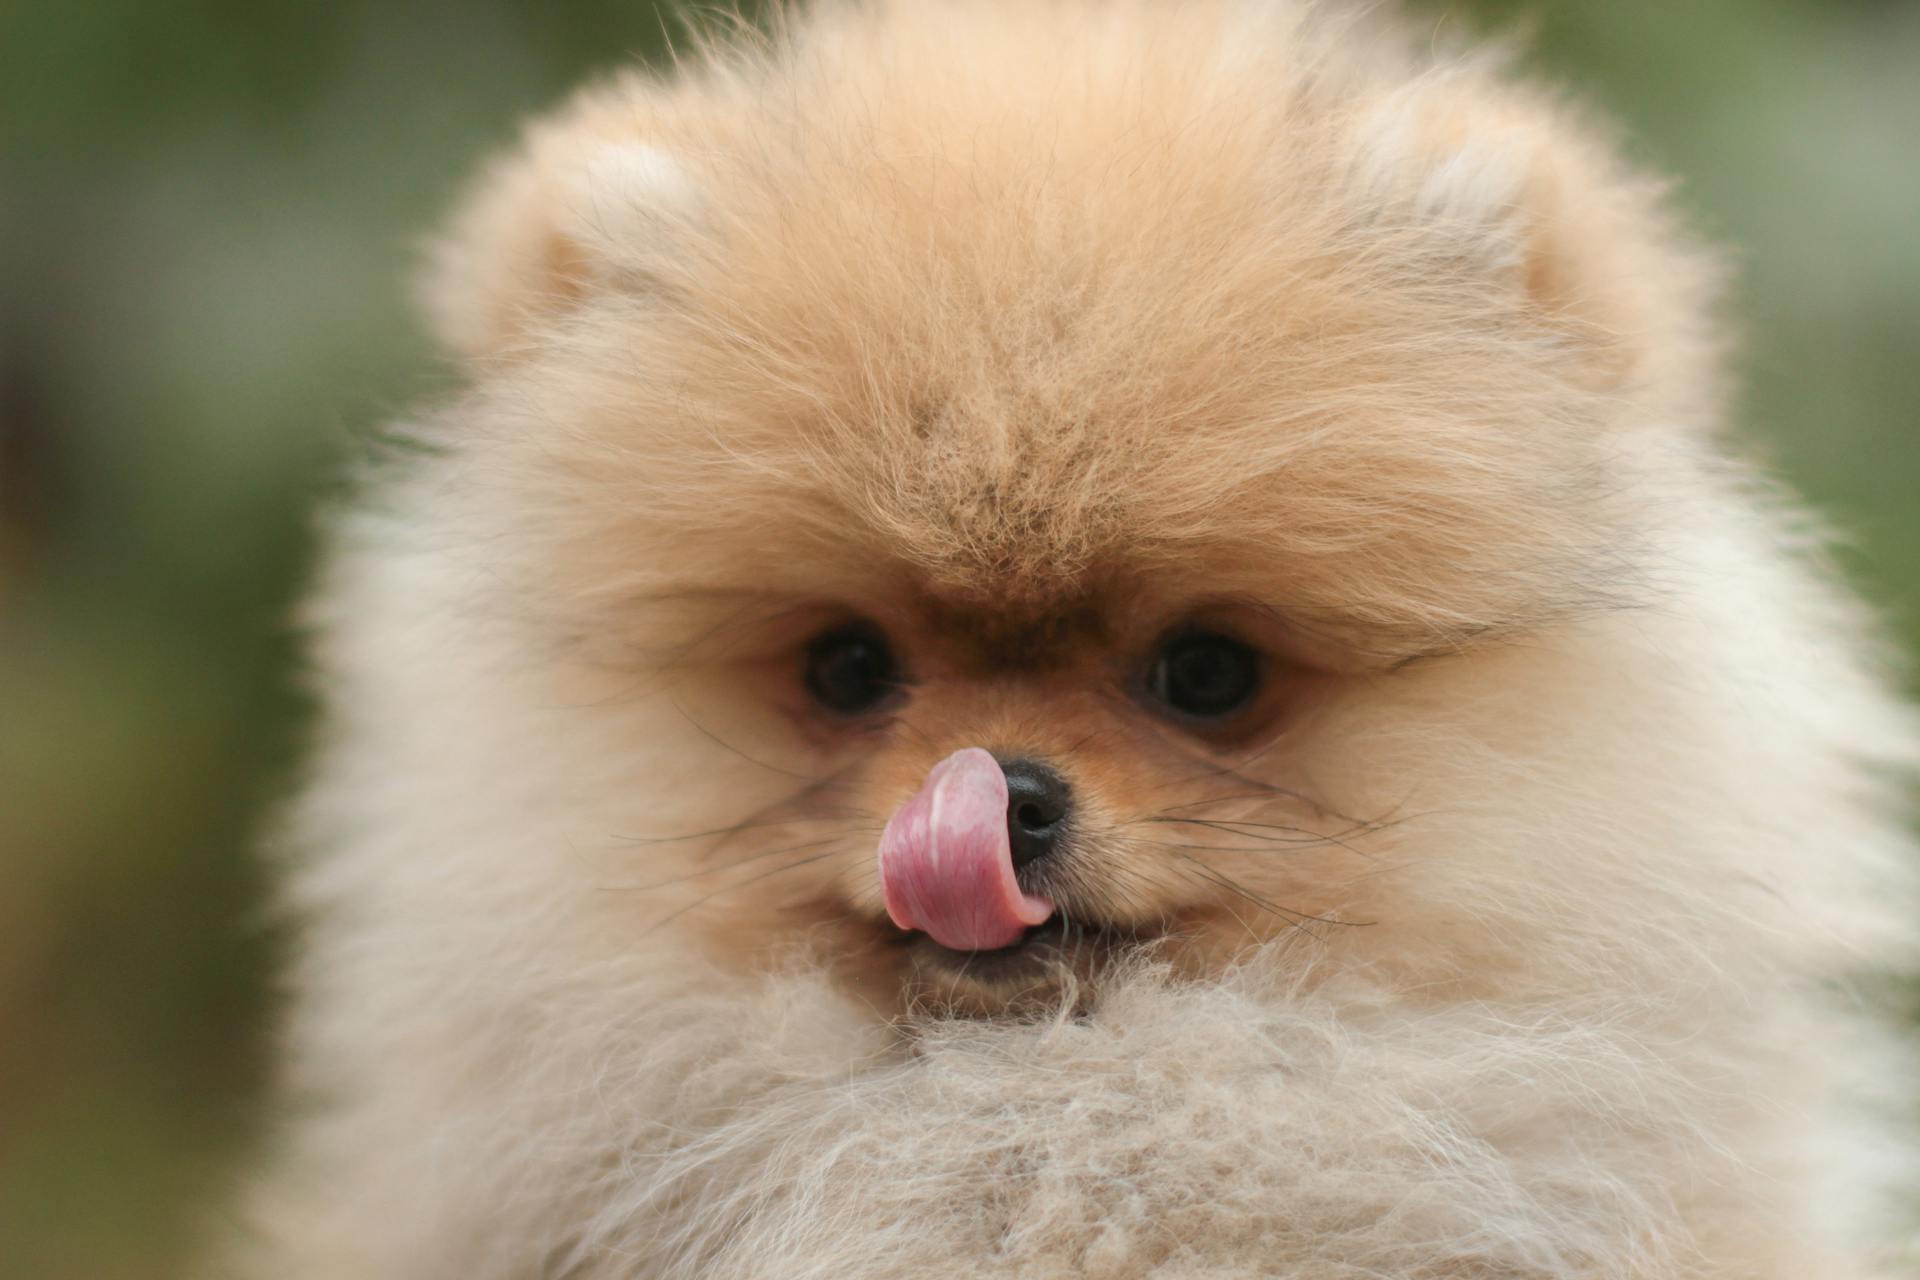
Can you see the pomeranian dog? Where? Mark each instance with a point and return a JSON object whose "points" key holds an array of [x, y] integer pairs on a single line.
{"points": [[1095, 639]]}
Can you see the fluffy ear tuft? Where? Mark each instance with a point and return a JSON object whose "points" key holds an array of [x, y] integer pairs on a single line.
{"points": [[1454, 191], [634, 204], [571, 213], [1517, 193]]}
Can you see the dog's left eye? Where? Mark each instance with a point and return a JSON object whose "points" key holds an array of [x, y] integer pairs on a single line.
{"points": [[850, 669], [1204, 675]]}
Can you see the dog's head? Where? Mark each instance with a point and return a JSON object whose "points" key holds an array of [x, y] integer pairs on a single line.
{"points": [[1022, 515]]}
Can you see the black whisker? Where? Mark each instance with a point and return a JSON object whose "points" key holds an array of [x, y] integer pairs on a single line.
{"points": [[1305, 837], [1239, 919], [753, 820], [747, 825], [1239, 890], [1207, 848], [1236, 773], [669, 918], [717, 740], [725, 867], [1235, 826], [1226, 799]]}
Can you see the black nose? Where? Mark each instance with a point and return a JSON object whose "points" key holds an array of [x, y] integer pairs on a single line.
{"points": [[1038, 802]]}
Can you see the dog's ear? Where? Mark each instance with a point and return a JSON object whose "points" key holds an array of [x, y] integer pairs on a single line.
{"points": [[586, 204], [1516, 196]]}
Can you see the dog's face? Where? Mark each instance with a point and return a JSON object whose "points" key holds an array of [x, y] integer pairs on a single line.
{"points": [[988, 793], [1010, 555]]}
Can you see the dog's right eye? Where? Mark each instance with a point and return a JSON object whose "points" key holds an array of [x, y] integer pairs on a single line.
{"points": [[851, 670], [1204, 676]]}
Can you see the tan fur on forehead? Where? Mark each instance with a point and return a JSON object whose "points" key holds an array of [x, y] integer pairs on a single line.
{"points": [[1338, 324], [1005, 634]]}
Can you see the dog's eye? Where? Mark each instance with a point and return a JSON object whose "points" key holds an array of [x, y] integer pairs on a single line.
{"points": [[850, 669], [1204, 675]]}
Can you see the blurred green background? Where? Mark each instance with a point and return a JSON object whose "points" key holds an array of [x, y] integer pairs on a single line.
{"points": [[208, 214]]}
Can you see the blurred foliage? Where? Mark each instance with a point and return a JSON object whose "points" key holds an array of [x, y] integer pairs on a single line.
{"points": [[208, 215]]}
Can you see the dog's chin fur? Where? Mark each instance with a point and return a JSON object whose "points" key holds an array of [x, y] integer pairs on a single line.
{"points": [[1504, 934]]}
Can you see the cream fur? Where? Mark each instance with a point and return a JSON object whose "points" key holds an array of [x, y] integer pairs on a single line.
{"points": [[975, 316]]}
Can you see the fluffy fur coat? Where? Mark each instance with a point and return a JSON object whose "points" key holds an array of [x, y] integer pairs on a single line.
{"points": [[997, 312]]}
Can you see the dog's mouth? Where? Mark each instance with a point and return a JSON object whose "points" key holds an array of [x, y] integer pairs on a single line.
{"points": [[1060, 947], [970, 873]]}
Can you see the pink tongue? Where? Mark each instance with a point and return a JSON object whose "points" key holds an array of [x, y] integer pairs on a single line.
{"points": [[945, 863]]}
